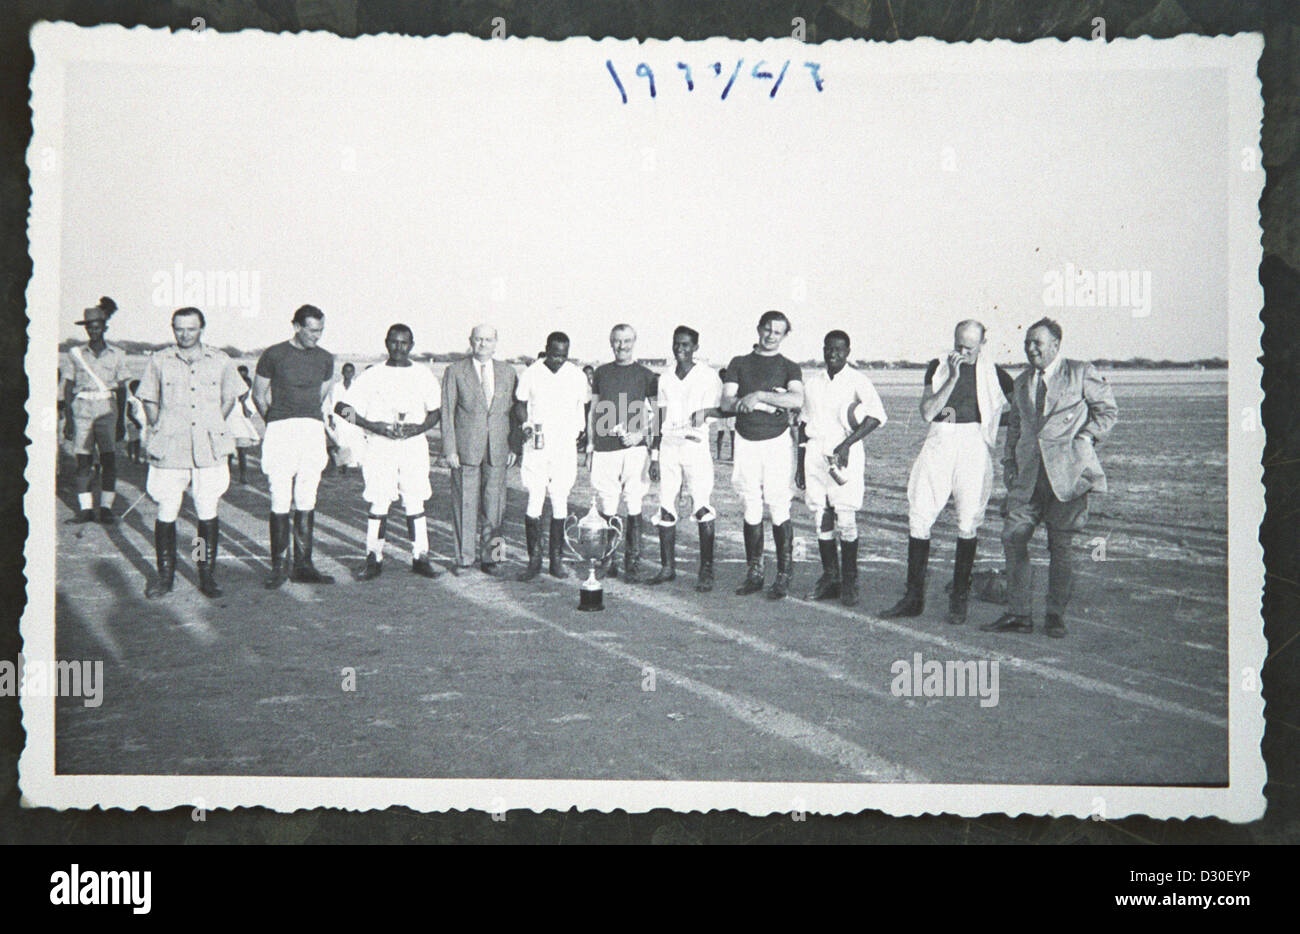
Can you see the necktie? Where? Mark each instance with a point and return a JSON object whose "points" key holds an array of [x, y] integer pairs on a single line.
{"points": [[485, 380], [1040, 394]]}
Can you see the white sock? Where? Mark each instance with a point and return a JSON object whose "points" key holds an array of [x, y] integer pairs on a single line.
{"points": [[86, 500], [419, 536], [374, 544], [107, 498]]}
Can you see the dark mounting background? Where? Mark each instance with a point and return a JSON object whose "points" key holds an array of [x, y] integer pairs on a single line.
{"points": [[886, 20]]}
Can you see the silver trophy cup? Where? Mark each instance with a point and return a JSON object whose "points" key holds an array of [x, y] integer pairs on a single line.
{"points": [[592, 539]]}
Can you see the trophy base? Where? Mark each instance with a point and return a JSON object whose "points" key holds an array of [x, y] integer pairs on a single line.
{"points": [[591, 595]]}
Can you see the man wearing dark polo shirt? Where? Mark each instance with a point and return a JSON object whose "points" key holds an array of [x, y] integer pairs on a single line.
{"points": [[292, 381], [963, 400], [619, 424], [761, 388]]}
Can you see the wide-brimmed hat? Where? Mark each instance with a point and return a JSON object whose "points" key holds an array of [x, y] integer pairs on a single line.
{"points": [[93, 314]]}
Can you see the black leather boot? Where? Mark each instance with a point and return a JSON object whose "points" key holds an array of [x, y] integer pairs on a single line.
{"points": [[632, 550], [304, 528], [961, 573], [708, 532], [208, 533], [667, 555], [532, 540], [279, 545], [828, 585], [849, 573], [609, 567], [913, 602], [555, 549], [783, 536], [753, 560], [164, 546]]}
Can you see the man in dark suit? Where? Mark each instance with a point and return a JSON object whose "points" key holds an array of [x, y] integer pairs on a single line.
{"points": [[477, 395], [1060, 410]]}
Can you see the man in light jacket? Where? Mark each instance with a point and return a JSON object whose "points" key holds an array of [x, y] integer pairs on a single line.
{"points": [[1060, 410], [477, 395]]}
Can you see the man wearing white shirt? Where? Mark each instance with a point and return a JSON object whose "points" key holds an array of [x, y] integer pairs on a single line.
{"points": [[350, 439], [841, 407], [550, 402], [964, 396], [689, 394], [395, 403]]}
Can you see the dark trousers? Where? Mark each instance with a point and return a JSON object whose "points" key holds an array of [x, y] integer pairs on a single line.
{"points": [[1063, 519], [478, 504]]}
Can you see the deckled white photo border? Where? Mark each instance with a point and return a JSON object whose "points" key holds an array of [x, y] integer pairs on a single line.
{"points": [[1242, 800]]}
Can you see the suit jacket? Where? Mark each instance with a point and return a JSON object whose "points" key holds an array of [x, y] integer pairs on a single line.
{"points": [[1078, 399], [475, 428]]}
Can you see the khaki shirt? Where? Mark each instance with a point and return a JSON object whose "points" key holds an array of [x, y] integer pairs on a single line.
{"points": [[88, 397], [191, 431]]}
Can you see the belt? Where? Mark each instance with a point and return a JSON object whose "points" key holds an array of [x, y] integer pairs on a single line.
{"points": [[94, 394]]}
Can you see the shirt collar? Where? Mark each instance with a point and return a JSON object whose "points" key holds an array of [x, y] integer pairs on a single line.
{"points": [[1050, 370]]}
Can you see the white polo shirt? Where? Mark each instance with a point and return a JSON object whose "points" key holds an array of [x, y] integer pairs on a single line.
{"points": [[556, 401], [826, 404], [679, 399], [384, 393]]}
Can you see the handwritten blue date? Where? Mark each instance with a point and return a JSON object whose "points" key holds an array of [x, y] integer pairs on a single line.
{"points": [[759, 72]]}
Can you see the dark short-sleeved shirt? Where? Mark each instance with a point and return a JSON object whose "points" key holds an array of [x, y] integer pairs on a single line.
{"points": [[964, 401], [296, 375], [755, 372], [622, 395]]}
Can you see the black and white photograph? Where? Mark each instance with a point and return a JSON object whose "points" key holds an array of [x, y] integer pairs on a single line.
{"points": [[504, 424]]}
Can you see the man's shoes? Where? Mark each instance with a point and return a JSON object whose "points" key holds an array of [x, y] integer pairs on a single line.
{"points": [[555, 549], [374, 567], [1009, 622], [458, 569], [106, 516], [83, 516], [1055, 626], [425, 568], [492, 570]]}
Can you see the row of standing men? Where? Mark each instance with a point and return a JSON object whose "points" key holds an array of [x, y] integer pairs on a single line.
{"points": [[640, 428]]}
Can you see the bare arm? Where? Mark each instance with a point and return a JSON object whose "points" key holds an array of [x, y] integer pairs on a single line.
{"points": [[934, 400], [261, 395]]}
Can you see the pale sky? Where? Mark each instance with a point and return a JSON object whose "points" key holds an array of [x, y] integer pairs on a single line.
{"points": [[521, 191]]}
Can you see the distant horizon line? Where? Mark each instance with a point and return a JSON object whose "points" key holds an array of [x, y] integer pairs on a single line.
{"points": [[1134, 362]]}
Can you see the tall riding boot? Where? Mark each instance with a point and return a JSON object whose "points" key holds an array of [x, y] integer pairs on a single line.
{"points": [[208, 533], [708, 532], [753, 559], [279, 545], [555, 546], [667, 554], [783, 536], [164, 546], [828, 585], [632, 549], [913, 602], [849, 573], [961, 572], [609, 567], [532, 538], [304, 527]]}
